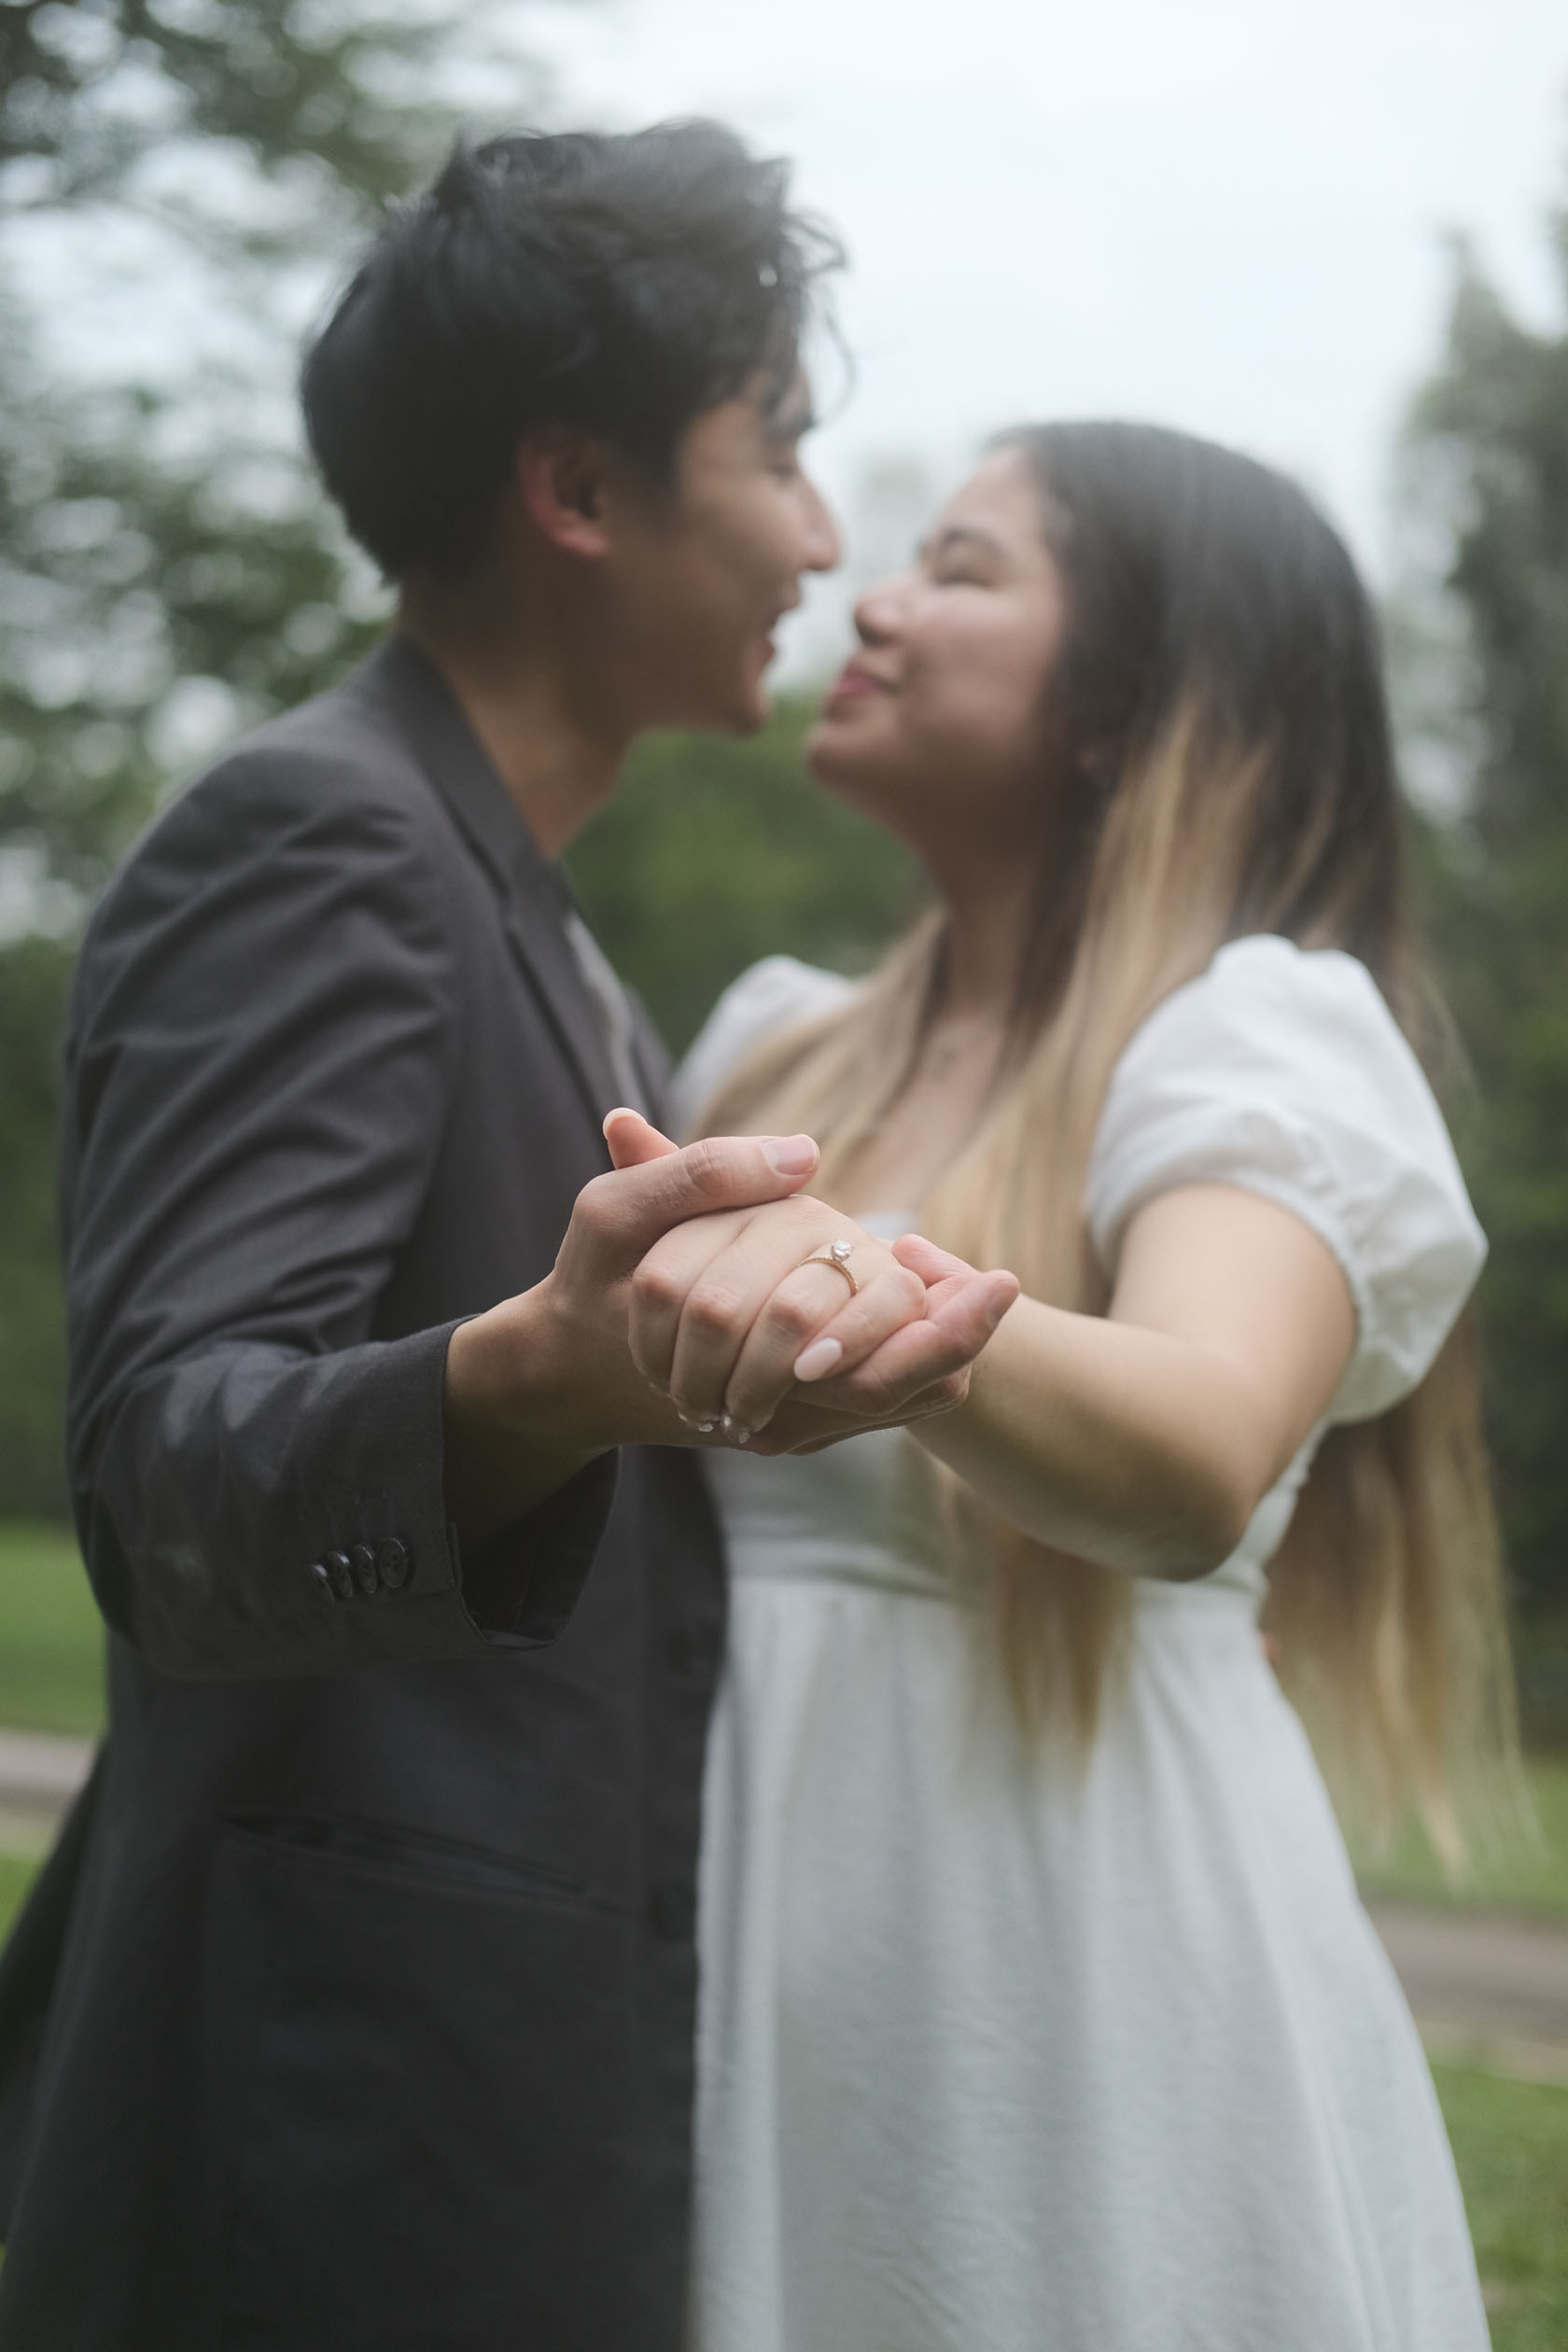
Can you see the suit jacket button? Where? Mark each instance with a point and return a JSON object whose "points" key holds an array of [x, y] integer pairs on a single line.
{"points": [[339, 1568], [364, 1562], [323, 1576], [392, 1560], [673, 1911]]}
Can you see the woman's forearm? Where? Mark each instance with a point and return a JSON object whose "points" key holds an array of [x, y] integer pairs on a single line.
{"points": [[1118, 1444]]}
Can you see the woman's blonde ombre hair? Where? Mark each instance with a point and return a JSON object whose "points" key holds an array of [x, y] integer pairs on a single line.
{"points": [[1218, 748]]}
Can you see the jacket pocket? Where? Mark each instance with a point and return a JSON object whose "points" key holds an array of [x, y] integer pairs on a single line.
{"points": [[411, 1855], [445, 2129]]}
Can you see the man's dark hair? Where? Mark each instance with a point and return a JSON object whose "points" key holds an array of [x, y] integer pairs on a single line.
{"points": [[626, 283]]}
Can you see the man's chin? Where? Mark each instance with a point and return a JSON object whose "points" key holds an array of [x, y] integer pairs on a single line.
{"points": [[743, 707], [746, 714]]}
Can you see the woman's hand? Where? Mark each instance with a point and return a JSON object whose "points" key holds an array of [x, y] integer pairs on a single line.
{"points": [[733, 1313], [729, 1311]]}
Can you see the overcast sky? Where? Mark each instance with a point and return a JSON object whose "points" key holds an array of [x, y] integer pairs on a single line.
{"points": [[1223, 214]]}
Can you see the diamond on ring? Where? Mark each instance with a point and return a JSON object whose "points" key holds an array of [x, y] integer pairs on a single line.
{"points": [[839, 1251]]}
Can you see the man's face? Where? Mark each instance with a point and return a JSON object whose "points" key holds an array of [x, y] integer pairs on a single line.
{"points": [[702, 573]]}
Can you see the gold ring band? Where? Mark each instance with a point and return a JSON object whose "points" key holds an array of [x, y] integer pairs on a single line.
{"points": [[836, 1254]]}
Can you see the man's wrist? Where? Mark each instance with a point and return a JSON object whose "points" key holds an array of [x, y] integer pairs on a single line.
{"points": [[517, 1413]]}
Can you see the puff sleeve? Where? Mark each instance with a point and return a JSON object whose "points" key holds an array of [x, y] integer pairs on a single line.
{"points": [[1282, 1070]]}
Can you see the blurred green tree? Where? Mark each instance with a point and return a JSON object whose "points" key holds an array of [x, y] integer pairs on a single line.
{"points": [[714, 852], [1486, 477], [170, 574]]}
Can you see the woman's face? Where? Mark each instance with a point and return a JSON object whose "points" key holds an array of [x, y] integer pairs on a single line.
{"points": [[936, 723]]}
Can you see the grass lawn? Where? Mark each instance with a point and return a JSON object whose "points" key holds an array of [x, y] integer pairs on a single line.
{"points": [[1511, 2141], [51, 1637], [16, 1877], [51, 1633]]}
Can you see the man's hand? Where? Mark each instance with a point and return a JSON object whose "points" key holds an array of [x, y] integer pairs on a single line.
{"points": [[540, 1384]]}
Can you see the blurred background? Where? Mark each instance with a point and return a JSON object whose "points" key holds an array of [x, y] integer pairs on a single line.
{"points": [[1336, 235]]}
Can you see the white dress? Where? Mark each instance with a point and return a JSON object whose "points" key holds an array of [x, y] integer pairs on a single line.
{"points": [[1002, 2054]]}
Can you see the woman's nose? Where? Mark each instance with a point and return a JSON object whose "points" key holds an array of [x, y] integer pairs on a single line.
{"points": [[877, 611]]}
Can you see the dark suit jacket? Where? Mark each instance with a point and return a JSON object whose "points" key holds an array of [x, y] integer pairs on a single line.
{"points": [[354, 2008]]}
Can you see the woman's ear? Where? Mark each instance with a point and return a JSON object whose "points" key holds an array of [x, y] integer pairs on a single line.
{"points": [[562, 476]]}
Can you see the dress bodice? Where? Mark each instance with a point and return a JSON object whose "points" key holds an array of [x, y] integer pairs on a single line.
{"points": [[871, 1511], [1278, 1070]]}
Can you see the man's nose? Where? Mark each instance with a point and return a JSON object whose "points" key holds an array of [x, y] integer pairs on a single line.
{"points": [[824, 543]]}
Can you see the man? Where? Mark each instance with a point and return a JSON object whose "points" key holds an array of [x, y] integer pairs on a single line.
{"points": [[355, 2007]]}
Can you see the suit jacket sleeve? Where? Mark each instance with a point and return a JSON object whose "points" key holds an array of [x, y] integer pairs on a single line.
{"points": [[263, 1035]]}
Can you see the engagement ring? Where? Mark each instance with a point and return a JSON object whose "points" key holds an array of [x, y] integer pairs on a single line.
{"points": [[836, 1254]]}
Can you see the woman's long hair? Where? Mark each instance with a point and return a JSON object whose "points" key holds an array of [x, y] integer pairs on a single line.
{"points": [[1220, 756]]}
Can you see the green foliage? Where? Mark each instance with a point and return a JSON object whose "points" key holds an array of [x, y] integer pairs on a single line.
{"points": [[157, 536], [328, 97], [1488, 459], [125, 577], [715, 852], [51, 1636], [1527, 1872]]}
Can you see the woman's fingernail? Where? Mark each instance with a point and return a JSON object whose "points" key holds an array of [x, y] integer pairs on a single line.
{"points": [[820, 1358], [792, 1155]]}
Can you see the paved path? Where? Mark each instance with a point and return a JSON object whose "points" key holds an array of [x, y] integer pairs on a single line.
{"points": [[40, 1772], [1487, 1984]]}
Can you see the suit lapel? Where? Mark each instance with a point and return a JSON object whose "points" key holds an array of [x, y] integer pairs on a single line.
{"points": [[533, 897]]}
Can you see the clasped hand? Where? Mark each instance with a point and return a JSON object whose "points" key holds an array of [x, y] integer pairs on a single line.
{"points": [[679, 1312], [742, 1321]]}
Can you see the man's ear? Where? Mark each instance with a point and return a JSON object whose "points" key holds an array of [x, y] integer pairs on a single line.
{"points": [[562, 473]]}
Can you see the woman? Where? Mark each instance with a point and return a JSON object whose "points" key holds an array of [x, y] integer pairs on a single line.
{"points": [[1039, 2007]]}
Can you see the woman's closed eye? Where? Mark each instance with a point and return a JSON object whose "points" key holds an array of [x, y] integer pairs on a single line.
{"points": [[961, 574], [962, 558]]}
